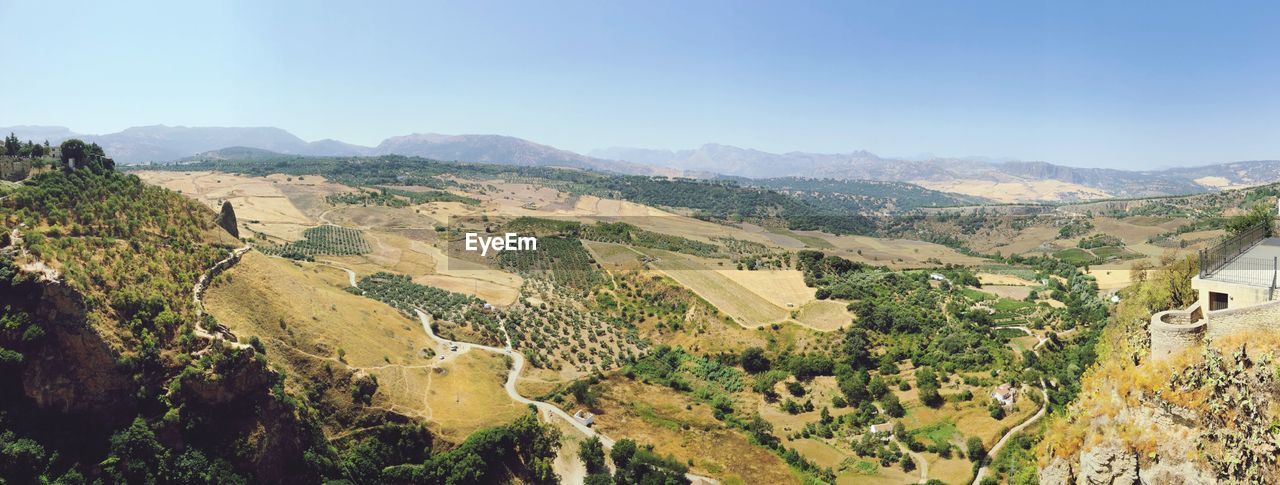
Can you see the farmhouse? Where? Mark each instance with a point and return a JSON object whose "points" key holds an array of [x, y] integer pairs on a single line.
{"points": [[882, 428], [1236, 292], [1006, 394], [587, 419]]}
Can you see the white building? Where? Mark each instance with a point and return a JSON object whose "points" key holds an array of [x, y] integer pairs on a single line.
{"points": [[1006, 394]]}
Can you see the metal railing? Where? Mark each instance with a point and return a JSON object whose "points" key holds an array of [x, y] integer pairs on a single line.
{"points": [[1215, 257], [1248, 271]]}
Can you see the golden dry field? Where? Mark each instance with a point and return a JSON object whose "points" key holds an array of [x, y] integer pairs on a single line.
{"points": [[677, 425], [1015, 191]]}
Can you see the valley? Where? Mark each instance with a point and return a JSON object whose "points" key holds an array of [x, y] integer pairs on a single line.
{"points": [[675, 305], [732, 334]]}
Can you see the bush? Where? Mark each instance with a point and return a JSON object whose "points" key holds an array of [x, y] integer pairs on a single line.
{"points": [[975, 450], [754, 361]]}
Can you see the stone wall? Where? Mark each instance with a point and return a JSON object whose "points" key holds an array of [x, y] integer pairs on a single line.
{"points": [[1264, 316], [1175, 330]]}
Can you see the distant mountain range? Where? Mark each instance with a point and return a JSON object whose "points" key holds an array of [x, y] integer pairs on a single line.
{"points": [[161, 143], [979, 179], [1004, 181]]}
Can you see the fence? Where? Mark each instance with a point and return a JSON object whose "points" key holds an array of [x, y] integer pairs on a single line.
{"points": [[1248, 271], [1215, 257]]}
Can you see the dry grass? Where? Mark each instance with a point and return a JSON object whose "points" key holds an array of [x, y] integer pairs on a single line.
{"points": [[259, 203], [895, 253], [783, 288], [1015, 191], [466, 395], [304, 317], [657, 415], [1013, 292], [1003, 279], [613, 257], [749, 308], [825, 315], [260, 293]]}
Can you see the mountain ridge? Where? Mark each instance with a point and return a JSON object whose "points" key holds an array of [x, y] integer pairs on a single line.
{"points": [[1000, 180]]}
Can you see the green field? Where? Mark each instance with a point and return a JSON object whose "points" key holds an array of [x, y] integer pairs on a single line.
{"points": [[322, 240], [1075, 256], [939, 432]]}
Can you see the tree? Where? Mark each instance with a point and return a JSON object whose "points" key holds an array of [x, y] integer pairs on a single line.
{"points": [[892, 406], [227, 219], [11, 145], [853, 385], [877, 387], [1261, 213], [795, 388], [363, 388], [74, 154], [908, 464], [583, 393], [975, 450], [857, 347], [135, 455], [929, 396], [754, 361], [622, 452], [996, 410], [591, 451]]}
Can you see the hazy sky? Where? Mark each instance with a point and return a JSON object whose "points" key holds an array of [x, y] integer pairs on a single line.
{"points": [[1120, 84]]}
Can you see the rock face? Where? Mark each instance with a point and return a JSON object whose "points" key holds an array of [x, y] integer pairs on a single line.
{"points": [[1060, 471], [1106, 465], [227, 219], [1176, 474], [75, 370]]}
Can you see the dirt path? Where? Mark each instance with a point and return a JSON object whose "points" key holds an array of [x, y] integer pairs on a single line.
{"points": [[995, 450], [918, 458], [510, 386], [197, 296], [1044, 407]]}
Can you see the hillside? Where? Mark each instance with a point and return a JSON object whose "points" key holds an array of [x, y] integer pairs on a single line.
{"points": [[682, 313], [1203, 416], [113, 373]]}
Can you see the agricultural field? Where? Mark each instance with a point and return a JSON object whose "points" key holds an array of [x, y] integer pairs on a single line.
{"points": [[654, 315], [687, 430], [751, 309], [1096, 256], [261, 203], [324, 240]]}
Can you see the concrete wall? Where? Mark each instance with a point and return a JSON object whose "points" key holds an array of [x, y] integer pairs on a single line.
{"points": [[1238, 295]]}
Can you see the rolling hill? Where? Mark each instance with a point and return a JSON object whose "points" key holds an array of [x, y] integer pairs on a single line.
{"points": [[1002, 181]]}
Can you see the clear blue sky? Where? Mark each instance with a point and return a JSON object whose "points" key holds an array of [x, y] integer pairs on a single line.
{"points": [[1120, 84]]}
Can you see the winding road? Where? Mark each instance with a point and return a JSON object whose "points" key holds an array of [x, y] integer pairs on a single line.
{"points": [[1044, 406], [518, 362], [510, 386]]}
